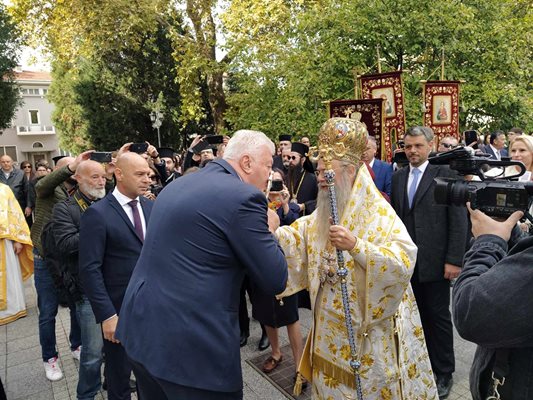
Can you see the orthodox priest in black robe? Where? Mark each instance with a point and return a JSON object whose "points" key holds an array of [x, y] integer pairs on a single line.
{"points": [[301, 181]]}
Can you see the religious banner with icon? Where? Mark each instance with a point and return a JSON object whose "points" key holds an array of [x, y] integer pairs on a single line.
{"points": [[372, 115], [389, 87], [441, 107]]}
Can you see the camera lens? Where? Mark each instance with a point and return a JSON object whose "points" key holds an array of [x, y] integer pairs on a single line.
{"points": [[451, 192]]}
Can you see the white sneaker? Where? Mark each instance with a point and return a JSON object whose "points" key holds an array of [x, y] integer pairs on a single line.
{"points": [[76, 353], [53, 371]]}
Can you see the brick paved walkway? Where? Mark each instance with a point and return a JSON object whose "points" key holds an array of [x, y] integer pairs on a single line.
{"points": [[22, 371]]}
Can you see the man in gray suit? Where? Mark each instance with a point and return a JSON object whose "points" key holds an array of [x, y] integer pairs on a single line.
{"points": [[440, 233]]}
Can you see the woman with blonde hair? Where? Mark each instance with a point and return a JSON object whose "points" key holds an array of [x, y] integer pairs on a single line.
{"points": [[521, 149]]}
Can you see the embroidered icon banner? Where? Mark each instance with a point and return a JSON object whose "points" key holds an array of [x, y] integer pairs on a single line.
{"points": [[371, 114], [389, 87], [441, 105]]}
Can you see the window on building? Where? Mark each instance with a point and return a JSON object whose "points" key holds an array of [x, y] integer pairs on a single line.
{"points": [[37, 145], [34, 92], [24, 91], [34, 117], [45, 92], [11, 151]]}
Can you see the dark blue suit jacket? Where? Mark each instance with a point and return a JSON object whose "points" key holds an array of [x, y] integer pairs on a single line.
{"points": [[383, 176], [109, 249], [488, 150], [179, 318]]}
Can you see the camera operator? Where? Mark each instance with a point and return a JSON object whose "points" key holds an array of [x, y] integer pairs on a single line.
{"points": [[493, 307]]}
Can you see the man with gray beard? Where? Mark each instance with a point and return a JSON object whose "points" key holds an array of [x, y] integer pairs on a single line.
{"points": [[91, 178], [383, 344]]}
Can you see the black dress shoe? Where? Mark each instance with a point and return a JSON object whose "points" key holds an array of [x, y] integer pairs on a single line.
{"points": [[264, 343], [444, 385], [244, 338]]}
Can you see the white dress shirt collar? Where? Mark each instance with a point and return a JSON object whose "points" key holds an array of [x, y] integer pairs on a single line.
{"points": [[421, 168]]}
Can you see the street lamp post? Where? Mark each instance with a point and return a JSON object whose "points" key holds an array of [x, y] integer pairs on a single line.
{"points": [[157, 120]]}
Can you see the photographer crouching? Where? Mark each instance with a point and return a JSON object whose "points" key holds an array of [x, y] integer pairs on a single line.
{"points": [[493, 307]]}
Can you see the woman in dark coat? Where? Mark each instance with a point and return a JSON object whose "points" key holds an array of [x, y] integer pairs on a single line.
{"points": [[269, 311]]}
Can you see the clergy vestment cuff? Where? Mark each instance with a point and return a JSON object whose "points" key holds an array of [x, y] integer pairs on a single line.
{"points": [[358, 253]]}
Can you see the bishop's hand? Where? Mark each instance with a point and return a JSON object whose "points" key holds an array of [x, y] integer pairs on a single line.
{"points": [[341, 238]]}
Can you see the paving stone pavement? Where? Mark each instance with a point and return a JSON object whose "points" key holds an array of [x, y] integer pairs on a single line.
{"points": [[22, 372]]}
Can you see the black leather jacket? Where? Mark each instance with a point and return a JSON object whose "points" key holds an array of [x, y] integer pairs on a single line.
{"points": [[66, 216], [493, 307]]}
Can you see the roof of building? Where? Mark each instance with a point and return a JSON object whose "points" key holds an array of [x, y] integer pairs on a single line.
{"points": [[32, 76]]}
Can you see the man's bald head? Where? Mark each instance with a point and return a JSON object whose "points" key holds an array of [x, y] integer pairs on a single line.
{"points": [[87, 167], [64, 161], [133, 175], [6, 162], [91, 179]]}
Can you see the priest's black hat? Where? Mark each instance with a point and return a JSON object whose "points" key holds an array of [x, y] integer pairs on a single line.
{"points": [[302, 150], [283, 138], [166, 152], [57, 158]]}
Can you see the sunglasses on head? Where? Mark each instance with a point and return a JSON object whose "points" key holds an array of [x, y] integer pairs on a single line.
{"points": [[447, 145]]}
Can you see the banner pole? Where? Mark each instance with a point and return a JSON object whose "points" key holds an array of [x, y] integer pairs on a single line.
{"points": [[355, 86], [379, 59], [442, 66]]}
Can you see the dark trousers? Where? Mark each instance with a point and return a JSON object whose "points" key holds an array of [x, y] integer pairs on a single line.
{"points": [[153, 388], [433, 299], [117, 372]]}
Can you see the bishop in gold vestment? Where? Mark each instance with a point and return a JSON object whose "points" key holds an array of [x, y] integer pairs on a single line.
{"points": [[16, 258], [380, 257]]}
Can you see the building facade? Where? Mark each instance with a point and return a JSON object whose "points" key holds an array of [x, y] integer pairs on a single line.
{"points": [[32, 136]]}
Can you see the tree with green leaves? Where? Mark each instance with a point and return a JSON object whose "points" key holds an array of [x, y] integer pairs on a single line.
{"points": [[111, 62], [9, 46], [289, 57]]}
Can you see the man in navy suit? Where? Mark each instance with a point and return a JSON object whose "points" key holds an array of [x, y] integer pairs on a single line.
{"points": [[382, 170], [179, 319], [496, 147], [111, 238]]}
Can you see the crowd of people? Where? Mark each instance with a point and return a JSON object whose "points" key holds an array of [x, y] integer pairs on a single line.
{"points": [[153, 252]]}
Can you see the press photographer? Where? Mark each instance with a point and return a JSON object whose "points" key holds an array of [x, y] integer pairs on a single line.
{"points": [[493, 307]]}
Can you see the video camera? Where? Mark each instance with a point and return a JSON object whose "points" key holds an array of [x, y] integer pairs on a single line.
{"points": [[497, 194]]}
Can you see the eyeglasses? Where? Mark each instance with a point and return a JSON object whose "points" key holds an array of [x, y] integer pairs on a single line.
{"points": [[290, 157], [447, 145], [26, 166]]}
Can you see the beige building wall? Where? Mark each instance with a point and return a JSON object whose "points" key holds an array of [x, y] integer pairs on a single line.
{"points": [[32, 135]]}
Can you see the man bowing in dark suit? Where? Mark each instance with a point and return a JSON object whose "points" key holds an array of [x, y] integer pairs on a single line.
{"points": [[111, 237], [179, 320], [440, 233]]}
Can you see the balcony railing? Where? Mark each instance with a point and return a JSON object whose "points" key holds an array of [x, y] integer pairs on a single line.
{"points": [[28, 130]]}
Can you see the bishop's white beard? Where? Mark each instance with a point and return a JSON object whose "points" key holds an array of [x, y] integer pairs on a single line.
{"points": [[343, 189]]}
